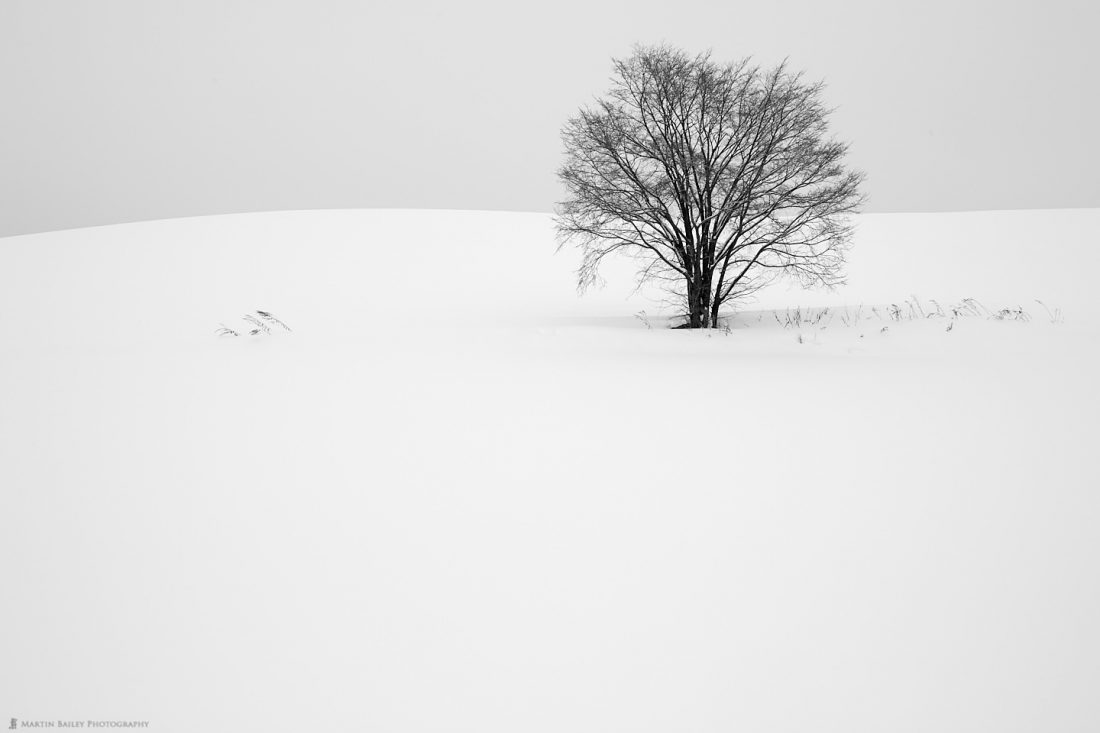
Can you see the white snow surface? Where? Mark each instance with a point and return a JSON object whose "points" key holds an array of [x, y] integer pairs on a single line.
{"points": [[460, 497]]}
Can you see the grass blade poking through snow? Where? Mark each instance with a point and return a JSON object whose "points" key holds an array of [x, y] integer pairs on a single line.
{"points": [[257, 324]]}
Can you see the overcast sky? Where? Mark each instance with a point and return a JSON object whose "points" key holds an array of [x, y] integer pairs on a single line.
{"points": [[123, 110]]}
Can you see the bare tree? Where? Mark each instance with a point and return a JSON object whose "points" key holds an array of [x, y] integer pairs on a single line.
{"points": [[718, 178]]}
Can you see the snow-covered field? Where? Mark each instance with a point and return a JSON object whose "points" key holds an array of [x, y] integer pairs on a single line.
{"points": [[458, 497]]}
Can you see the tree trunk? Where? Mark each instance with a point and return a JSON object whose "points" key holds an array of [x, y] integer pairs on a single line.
{"points": [[699, 302], [695, 313]]}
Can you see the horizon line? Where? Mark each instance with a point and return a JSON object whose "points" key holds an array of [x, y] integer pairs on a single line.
{"points": [[256, 212]]}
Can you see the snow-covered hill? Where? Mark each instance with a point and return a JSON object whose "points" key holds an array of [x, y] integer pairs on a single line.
{"points": [[457, 496]]}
